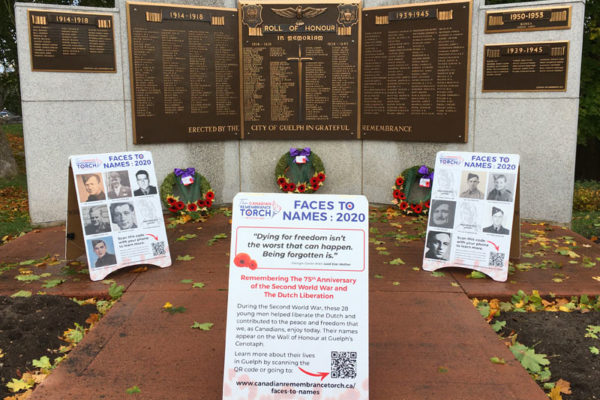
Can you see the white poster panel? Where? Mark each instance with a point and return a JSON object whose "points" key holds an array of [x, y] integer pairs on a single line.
{"points": [[297, 320], [120, 211], [471, 212]]}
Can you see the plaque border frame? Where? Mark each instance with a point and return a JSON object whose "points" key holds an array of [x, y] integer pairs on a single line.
{"points": [[129, 45], [113, 71], [567, 42], [470, 34], [545, 28], [359, 3]]}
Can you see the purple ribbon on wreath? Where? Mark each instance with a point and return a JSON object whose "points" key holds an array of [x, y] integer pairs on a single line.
{"points": [[184, 173], [425, 172], [294, 152]]}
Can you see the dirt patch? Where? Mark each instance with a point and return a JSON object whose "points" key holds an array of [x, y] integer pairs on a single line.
{"points": [[561, 336], [30, 328]]}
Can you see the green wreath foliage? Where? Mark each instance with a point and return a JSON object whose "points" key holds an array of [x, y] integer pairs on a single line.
{"points": [[303, 178], [402, 190], [193, 200]]}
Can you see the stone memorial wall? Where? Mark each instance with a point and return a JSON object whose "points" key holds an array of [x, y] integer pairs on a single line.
{"points": [[80, 112]]}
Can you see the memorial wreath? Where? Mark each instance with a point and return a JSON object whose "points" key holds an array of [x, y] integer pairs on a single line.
{"points": [[300, 171], [404, 185], [186, 192]]}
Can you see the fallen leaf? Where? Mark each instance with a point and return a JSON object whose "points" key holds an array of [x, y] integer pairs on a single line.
{"points": [[497, 360], [476, 275], [133, 390], [396, 261], [378, 276], [198, 285], [185, 237], [437, 274], [594, 350], [395, 283], [454, 284], [52, 283], [43, 362], [174, 310], [16, 385], [187, 257], [167, 305], [205, 326], [561, 386], [186, 281], [596, 278], [442, 370], [140, 269], [21, 293]]}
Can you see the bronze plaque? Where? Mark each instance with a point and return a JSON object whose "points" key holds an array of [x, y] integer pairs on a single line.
{"points": [[184, 64], [528, 19], [525, 67], [300, 68], [415, 72], [64, 41]]}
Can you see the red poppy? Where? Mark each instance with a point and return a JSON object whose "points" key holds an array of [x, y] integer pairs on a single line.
{"points": [[285, 187], [210, 195], [301, 188], [315, 187], [403, 205], [418, 209], [171, 200], [427, 204], [314, 180], [192, 207], [201, 203], [399, 181], [180, 205], [397, 194], [321, 176], [291, 186], [241, 260], [208, 203], [413, 206], [173, 209], [402, 196], [281, 181], [253, 265]]}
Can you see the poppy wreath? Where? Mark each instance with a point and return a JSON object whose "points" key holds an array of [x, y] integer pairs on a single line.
{"points": [[403, 186], [193, 200], [300, 178]]}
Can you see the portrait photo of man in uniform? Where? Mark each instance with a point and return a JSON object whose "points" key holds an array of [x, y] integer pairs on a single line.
{"points": [[103, 252], [500, 191], [98, 220], [143, 180], [438, 245], [118, 184], [497, 220], [123, 216], [93, 188], [472, 191], [442, 214]]}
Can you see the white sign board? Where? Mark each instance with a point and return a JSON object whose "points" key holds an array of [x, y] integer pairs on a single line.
{"points": [[298, 309], [471, 216], [119, 210]]}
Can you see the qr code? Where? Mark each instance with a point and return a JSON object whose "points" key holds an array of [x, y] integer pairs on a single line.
{"points": [[343, 364], [158, 249], [496, 259]]}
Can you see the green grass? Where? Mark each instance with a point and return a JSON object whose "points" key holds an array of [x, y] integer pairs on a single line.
{"points": [[586, 223], [14, 214], [13, 129]]}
